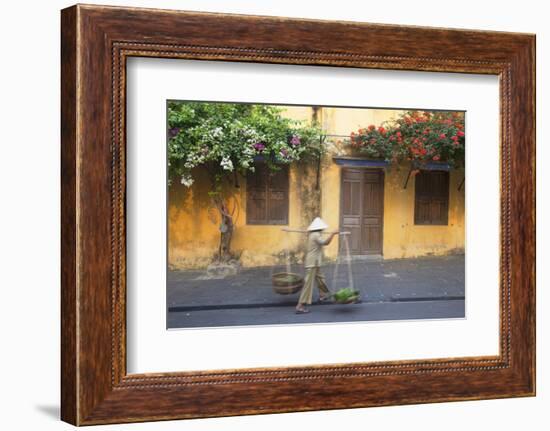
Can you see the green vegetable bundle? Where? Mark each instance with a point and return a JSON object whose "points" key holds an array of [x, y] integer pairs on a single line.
{"points": [[346, 295]]}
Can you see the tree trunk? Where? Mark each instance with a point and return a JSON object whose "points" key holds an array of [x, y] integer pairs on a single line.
{"points": [[226, 234], [226, 230]]}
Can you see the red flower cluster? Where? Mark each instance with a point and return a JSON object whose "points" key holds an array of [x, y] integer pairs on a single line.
{"points": [[417, 135]]}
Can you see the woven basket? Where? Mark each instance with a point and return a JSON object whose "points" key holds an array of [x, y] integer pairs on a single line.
{"points": [[286, 283]]}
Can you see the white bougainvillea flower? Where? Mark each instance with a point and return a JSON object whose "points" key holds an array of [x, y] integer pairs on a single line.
{"points": [[227, 164], [187, 180]]}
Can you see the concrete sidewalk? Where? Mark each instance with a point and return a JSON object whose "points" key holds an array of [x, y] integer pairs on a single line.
{"points": [[425, 279]]}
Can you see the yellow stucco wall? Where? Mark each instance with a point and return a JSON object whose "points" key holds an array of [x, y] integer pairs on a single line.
{"points": [[402, 238], [193, 234], [193, 226], [343, 121]]}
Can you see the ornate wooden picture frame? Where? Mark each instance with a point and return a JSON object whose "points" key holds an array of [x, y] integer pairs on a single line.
{"points": [[96, 41]]}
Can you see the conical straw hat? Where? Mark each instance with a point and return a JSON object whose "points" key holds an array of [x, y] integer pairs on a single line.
{"points": [[317, 224]]}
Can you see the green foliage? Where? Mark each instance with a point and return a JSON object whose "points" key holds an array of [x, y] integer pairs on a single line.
{"points": [[227, 138], [417, 135], [346, 294]]}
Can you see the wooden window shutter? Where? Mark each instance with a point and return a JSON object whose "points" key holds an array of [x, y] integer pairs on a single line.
{"points": [[267, 195], [256, 195], [431, 206], [277, 201]]}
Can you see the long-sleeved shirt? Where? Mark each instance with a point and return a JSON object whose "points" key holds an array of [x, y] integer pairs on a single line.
{"points": [[314, 250]]}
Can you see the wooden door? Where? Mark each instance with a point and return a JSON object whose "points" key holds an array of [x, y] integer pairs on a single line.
{"points": [[362, 209], [351, 205], [373, 211]]}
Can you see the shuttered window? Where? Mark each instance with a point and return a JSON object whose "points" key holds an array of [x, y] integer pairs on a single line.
{"points": [[267, 195], [431, 204]]}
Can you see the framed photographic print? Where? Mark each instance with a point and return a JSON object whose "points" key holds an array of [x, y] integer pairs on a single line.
{"points": [[319, 214]]}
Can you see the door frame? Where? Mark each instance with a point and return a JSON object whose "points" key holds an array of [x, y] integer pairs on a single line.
{"points": [[363, 169]]}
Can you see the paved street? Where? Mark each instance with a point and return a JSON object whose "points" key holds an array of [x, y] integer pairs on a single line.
{"points": [[422, 288]]}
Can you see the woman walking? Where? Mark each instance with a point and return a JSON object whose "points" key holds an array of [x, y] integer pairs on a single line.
{"points": [[312, 263]]}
